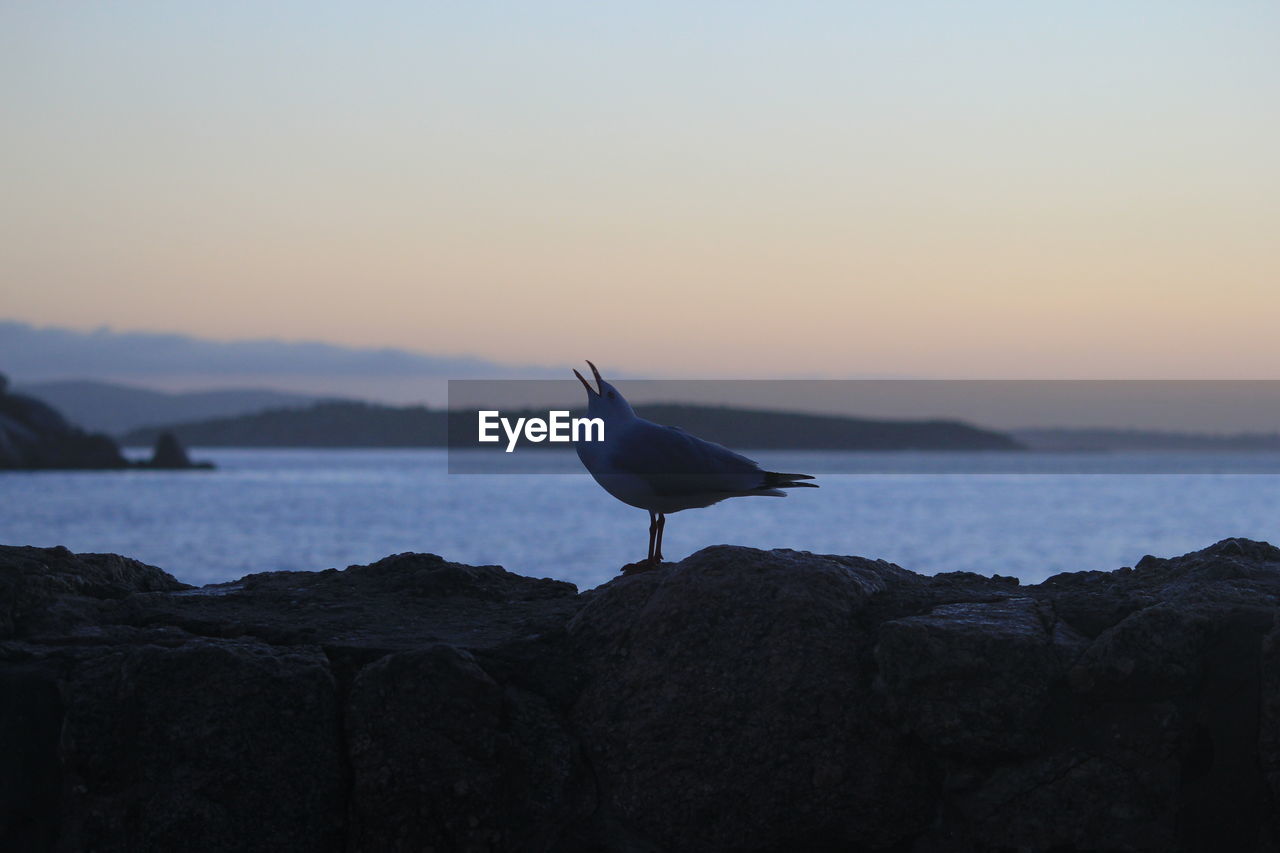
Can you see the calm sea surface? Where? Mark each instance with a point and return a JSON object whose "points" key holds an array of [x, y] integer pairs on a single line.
{"points": [[306, 509]]}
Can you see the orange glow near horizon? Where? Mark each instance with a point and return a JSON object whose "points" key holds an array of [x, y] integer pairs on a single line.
{"points": [[978, 192]]}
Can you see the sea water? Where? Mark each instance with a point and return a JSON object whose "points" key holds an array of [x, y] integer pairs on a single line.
{"points": [[1028, 515]]}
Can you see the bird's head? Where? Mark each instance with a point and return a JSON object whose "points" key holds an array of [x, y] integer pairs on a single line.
{"points": [[604, 400]]}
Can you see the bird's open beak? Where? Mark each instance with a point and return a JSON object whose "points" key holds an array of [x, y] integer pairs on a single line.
{"points": [[586, 384]]}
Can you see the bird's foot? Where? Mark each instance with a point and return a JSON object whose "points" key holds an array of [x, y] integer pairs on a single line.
{"points": [[645, 565]]}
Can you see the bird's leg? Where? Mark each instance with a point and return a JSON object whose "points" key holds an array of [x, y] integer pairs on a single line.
{"points": [[653, 532], [651, 562]]}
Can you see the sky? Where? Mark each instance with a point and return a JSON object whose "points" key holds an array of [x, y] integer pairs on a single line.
{"points": [[712, 189]]}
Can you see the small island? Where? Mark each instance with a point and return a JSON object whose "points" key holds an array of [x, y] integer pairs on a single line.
{"points": [[35, 436]]}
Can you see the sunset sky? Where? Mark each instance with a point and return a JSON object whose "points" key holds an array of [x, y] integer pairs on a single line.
{"points": [[1069, 190]]}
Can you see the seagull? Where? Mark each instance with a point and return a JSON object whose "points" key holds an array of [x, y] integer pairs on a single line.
{"points": [[664, 469]]}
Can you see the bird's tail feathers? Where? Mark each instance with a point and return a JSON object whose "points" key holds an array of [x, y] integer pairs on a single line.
{"points": [[778, 480]]}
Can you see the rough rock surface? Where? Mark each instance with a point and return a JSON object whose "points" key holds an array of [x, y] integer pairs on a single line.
{"points": [[739, 700]]}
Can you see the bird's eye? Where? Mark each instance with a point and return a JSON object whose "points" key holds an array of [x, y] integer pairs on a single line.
{"points": [[612, 395]]}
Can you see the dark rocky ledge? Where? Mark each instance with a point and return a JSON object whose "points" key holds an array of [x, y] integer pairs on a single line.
{"points": [[739, 700]]}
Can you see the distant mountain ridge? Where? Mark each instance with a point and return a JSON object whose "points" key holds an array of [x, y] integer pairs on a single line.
{"points": [[324, 424], [35, 436], [116, 409], [1052, 439], [777, 430], [352, 424]]}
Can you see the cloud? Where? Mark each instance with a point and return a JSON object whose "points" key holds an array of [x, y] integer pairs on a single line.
{"points": [[32, 353]]}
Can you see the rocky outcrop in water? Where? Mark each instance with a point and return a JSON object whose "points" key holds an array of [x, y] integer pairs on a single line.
{"points": [[34, 435], [738, 700], [169, 454]]}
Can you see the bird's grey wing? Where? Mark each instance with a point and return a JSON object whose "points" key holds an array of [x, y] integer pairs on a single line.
{"points": [[677, 463]]}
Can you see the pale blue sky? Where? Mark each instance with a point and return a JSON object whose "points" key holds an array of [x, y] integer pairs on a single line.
{"points": [[977, 189]]}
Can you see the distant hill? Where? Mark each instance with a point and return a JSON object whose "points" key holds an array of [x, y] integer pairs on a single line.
{"points": [[324, 424], [769, 430], [116, 409], [348, 424], [1135, 439], [35, 436]]}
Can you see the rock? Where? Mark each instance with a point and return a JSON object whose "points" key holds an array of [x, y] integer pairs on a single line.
{"points": [[972, 678], [727, 704], [170, 454], [203, 746], [48, 589], [1269, 733], [738, 700], [446, 758], [31, 714], [1158, 651], [34, 435]]}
